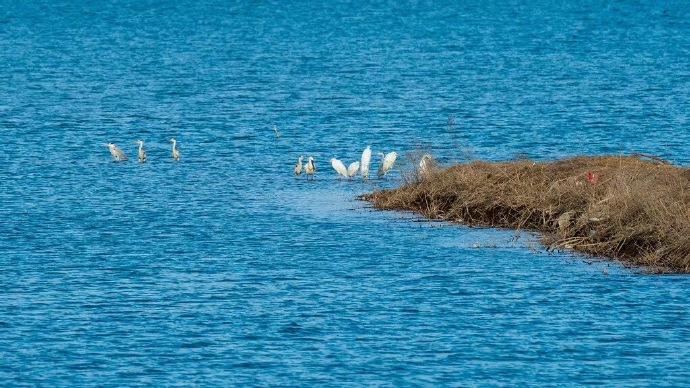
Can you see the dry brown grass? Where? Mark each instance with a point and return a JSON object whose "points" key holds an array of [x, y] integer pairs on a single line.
{"points": [[637, 211]]}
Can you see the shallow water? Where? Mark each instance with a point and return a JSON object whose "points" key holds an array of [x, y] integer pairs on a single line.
{"points": [[225, 269]]}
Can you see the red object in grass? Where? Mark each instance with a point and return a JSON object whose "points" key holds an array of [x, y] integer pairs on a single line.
{"points": [[592, 177]]}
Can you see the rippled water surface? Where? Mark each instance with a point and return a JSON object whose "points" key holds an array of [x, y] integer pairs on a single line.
{"points": [[225, 269]]}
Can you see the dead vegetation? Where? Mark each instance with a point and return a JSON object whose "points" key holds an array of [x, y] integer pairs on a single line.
{"points": [[635, 209]]}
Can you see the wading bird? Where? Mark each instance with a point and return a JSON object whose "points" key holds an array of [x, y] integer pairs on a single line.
{"points": [[175, 151], [352, 169], [116, 152], [298, 166], [425, 165], [366, 160], [339, 167], [387, 162], [310, 168], [141, 152]]}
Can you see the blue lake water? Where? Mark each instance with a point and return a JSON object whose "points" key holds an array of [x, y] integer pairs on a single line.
{"points": [[225, 269]]}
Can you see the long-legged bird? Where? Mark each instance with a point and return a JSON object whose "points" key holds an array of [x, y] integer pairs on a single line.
{"points": [[310, 168], [116, 152], [352, 169], [298, 166], [387, 162], [140, 152], [339, 167], [426, 165], [175, 151], [366, 160]]}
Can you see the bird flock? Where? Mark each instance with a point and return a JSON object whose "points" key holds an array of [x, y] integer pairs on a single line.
{"points": [[309, 168], [362, 166], [120, 156]]}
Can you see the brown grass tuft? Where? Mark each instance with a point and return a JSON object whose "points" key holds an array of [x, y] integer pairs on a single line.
{"points": [[634, 209]]}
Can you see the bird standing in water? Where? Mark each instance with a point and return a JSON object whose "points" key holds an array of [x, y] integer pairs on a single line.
{"points": [[387, 162], [352, 169], [298, 166], [339, 167], [116, 152], [141, 152], [175, 151], [310, 168], [366, 160]]}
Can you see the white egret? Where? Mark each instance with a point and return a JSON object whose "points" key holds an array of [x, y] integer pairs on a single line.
{"points": [[352, 169], [116, 152], [175, 151], [141, 153], [339, 167], [310, 168], [366, 160], [387, 162], [298, 166], [425, 165]]}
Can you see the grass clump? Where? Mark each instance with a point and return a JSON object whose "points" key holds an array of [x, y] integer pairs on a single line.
{"points": [[633, 209]]}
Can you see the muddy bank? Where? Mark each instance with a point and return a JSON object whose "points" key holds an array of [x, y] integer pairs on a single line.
{"points": [[633, 209]]}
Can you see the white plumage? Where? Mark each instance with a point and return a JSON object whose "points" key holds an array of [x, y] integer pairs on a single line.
{"points": [[298, 166], [366, 160], [175, 151], [352, 169], [141, 153], [425, 165], [116, 152], [310, 168], [339, 167], [387, 163]]}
